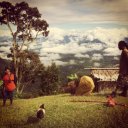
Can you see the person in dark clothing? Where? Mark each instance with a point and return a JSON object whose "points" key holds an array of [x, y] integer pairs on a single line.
{"points": [[123, 68]]}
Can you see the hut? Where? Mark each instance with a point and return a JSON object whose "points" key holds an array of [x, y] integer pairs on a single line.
{"points": [[104, 77]]}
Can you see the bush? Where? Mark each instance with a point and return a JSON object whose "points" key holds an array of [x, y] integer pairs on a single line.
{"points": [[50, 80]]}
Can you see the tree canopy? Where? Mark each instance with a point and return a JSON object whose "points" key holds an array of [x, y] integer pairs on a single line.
{"points": [[25, 19], [25, 24]]}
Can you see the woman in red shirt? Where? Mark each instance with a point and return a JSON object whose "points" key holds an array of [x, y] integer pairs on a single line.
{"points": [[9, 86]]}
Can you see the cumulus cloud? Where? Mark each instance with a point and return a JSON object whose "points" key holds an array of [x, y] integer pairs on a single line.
{"points": [[99, 39], [72, 14], [58, 62], [5, 49], [47, 62], [96, 64], [70, 48], [111, 51], [4, 56], [97, 57], [79, 55], [108, 36], [5, 32], [77, 43], [52, 56], [81, 62], [116, 58], [72, 62]]}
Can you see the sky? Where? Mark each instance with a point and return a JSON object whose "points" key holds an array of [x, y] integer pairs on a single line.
{"points": [[82, 14], [74, 21]]}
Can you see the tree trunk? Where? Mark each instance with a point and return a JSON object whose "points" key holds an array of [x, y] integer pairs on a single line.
{"points": [[15, 61]]}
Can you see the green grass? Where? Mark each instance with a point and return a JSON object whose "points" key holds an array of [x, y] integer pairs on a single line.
{"points": [[62, 113]]}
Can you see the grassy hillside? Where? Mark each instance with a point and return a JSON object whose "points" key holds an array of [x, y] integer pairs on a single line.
{"points": [[61, 112]]}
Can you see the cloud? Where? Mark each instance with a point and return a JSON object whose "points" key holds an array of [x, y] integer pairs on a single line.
{"points": [[108, 36], [58, 62], [5, 32], [5, 49], [61, 12], [111, 51], [55, 56], [72, 62], [96, 64], [4, 56], [116, 58], [79, 55], [97, 57], [99, 39], [92, 44], [47, 62], [48, 58], [70, 48]]}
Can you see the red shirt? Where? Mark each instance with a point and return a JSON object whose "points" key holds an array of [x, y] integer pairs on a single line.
{"points": [[9, 82]]}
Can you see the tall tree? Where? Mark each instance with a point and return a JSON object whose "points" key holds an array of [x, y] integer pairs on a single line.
{"points": [[24, 24]]}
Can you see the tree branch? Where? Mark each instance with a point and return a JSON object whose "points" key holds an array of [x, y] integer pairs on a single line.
{"points": [[36, 35], [9, 27], [22, 44]]}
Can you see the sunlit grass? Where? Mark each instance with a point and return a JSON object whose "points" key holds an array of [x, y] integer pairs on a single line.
{"points": [[61, 112]]}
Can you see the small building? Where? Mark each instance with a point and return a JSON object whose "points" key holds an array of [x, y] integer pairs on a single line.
{"points": [[104, 77]]}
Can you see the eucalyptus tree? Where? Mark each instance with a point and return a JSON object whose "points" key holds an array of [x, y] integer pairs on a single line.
{"points": [[25, 25]]}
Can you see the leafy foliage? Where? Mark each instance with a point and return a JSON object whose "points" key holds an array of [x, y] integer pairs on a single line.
{"points": [[50, 80], [29, 69], [25, 18], [25, 24]]}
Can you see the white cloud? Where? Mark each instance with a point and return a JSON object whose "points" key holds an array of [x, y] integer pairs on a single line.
{"points": [[116, 58], [71, 62], [87, 56], [78, 43], [61, 12], [5, 49], [47, 61], [5, 32], [97, 57], [81, 62], [58, 62], [69, 48], [79, 55], [109, 36], [53, 56], [4, 56], [96, 64], [110, 51]]}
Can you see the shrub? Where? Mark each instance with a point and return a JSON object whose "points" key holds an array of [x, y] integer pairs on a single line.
{"points": [[50, 80]]}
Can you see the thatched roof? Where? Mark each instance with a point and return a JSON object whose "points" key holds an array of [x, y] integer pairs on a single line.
{"points": [[105, 74]]}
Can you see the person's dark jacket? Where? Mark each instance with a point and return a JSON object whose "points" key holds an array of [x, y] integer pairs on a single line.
{"points": [[124, 63]]}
